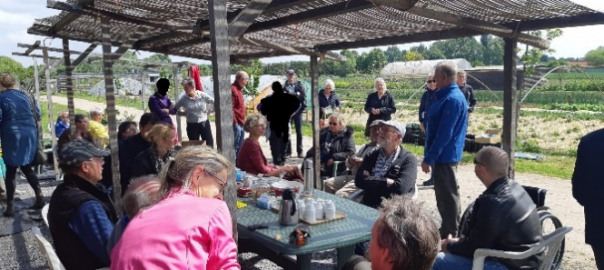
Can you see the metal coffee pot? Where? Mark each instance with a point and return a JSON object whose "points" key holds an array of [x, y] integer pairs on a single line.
{"points": [[288, 212]]}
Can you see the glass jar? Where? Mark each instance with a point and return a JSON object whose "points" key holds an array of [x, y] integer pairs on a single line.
{"points": [[261, 187]]}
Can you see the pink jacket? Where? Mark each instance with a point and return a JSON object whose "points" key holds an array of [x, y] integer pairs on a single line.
{"points": [[182, 231]]}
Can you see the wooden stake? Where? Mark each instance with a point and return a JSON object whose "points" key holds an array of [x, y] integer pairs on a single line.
{"points": [[510, 119]]}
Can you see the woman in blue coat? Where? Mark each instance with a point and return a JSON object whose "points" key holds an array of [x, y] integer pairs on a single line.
{"points": [[19, 136]]}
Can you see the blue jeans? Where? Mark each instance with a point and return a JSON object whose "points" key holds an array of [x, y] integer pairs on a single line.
{"points": [[238, 135], [446, 261]]}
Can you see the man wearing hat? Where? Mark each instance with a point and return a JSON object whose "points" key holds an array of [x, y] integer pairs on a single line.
{"points": [[81, 215], [389, 170], [295, 87]]}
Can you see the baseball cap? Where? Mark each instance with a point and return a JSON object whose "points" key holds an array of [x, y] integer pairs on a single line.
{"points": [[290, 71], [375, 123], [78, 151], [398, 126]]}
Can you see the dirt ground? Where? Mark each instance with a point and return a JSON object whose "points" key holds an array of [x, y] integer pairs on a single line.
{"points": [[559, 194]]}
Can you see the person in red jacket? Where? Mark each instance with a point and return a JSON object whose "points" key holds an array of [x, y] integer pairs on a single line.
{"points": [[241, 79]]}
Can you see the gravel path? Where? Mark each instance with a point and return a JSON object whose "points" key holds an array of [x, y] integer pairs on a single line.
{"points": [[20, 251]]}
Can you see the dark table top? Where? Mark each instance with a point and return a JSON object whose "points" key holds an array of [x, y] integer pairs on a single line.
{"points": [[355, 228]]}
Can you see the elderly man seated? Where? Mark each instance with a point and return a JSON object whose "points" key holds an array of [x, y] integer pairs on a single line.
{"points": [[403, 237], [80, 214], [97, 129], [336, 143], [343, 185], [141, 193], [389, 170], [504, 217]]}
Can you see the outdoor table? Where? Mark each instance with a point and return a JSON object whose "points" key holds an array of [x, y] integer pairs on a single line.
{"points": [[340, 234]]}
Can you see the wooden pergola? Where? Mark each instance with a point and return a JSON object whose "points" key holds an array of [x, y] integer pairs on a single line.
{"points": [[227, 31]]}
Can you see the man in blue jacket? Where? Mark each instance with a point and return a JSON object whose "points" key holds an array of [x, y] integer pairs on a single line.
{"points": [[588, 183], [445, 136]]}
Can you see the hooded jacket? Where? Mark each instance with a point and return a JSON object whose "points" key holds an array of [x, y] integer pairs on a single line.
{"points": [[341, 148]]}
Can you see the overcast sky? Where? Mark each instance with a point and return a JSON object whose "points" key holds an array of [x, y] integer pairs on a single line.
{"points": [[17, 15]]}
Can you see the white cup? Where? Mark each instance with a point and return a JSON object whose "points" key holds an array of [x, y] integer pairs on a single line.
{"points": [[330, 210]]}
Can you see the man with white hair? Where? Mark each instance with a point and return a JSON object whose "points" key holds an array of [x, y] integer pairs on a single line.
{"points": [[503, 217], [389, 170], [445, 136]]}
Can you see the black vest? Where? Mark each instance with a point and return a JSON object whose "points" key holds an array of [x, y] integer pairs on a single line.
{"points": [[66, 199]]}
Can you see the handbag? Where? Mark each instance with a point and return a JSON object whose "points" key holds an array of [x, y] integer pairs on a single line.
{"points": [[39, 157]]}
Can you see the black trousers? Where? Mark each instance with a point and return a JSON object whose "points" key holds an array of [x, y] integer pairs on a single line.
{"points": [[446, 189], [599, 255], [297, 120], [11, 174], [203, 130], [278, 148]]}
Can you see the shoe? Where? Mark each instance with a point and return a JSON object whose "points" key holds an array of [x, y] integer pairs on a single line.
{"points": [[300, 156], [9, 211], [429, 182], [288, 156], [39, 204]]}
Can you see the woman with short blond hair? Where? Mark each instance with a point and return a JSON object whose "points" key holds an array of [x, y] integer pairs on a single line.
{"points": [[380, 104], [190, 227], [152, 160]]}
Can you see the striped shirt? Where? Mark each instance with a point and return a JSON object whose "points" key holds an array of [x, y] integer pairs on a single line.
{"points": [[383, 163]]}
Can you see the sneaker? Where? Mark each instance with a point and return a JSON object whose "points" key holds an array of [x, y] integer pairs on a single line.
{"points": [[300, 156], [429, 182]]}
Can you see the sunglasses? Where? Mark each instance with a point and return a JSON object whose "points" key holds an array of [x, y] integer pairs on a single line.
{"points": [[477, 163], [431, 81], [333, 124]]}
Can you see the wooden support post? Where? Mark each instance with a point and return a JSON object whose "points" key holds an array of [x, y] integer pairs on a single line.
{"points": [[111, 118], [68, 81], [176, 94], [223, 101], [143, 90], [314, 86], [50, 112], [36, 78], [509, 101]]}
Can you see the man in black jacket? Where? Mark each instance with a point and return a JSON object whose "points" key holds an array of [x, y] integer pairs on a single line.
{"points": [[134, 146], [503, 217], [467, 90], [588, 183], [390, 170]]}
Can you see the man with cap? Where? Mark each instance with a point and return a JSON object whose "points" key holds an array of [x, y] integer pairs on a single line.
{"points": [[389, 170], [295, 87], [81, 215]]}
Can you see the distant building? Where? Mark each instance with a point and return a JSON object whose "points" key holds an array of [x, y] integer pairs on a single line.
{"points": [[419, 68]]}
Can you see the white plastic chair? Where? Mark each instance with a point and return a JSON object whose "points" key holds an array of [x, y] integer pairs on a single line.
{"points": [[550, 245], [44, 213], [51, 256]]}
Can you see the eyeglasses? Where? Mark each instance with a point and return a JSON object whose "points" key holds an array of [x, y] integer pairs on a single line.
{"points": [[215, 176], [333, 124], [431, 81], [478, 163]]}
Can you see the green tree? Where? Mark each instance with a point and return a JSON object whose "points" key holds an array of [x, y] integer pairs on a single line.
{"points": [[532, 55], [421, 49], [162, 58], [467, 48], [413, 56], [492, 50], [12, 66], [595, 57], [393, 54], [373, 61], [254, 70]]}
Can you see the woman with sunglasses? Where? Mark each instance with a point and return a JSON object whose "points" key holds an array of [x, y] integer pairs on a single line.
{"points": [[190, 227], [424, 106], [336, 143]]}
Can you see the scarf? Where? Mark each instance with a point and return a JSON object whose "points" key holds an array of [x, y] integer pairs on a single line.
{"points": [[157, 161]]}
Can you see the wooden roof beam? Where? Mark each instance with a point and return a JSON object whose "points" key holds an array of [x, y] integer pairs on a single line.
{"points": [[124, 47], [475, 24], [36, 56], [69, 18], [85, 54], [92, 11], [246, 17], [33, 47]]}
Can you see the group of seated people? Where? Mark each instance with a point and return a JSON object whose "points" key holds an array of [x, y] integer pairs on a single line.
{"points": [[175, 217]]}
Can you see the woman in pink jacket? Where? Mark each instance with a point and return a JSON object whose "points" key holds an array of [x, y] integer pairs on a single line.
{"points": [[190, 228]]}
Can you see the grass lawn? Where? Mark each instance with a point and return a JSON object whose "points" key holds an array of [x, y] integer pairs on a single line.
{"points": [[132, 101], [552, 165], [56, 108]]}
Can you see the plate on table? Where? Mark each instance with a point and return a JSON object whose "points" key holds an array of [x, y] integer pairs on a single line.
{"points": [[279, 186]]}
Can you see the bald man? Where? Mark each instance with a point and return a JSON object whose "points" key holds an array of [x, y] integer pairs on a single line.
{"points": [[503, 217], [241, 79], [141, 193]]}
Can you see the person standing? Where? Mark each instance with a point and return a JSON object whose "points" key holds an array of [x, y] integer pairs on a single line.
{"points": [[295, 87], [467, 90], [445, 135], [329, 102], [241, 79], [424, 106], [160, 104], [19, 136], [588, 183], [379, 105], [197, 104]]}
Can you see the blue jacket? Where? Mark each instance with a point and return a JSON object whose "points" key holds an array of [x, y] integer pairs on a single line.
{"points": [[588, 183], [60, 127], [426, 102], [18, 130], [447, 122]]}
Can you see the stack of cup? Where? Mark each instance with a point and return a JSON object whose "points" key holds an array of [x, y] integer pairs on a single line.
{"points": [[309, 210], [319, 213], [301, 207], [330, 210]]}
